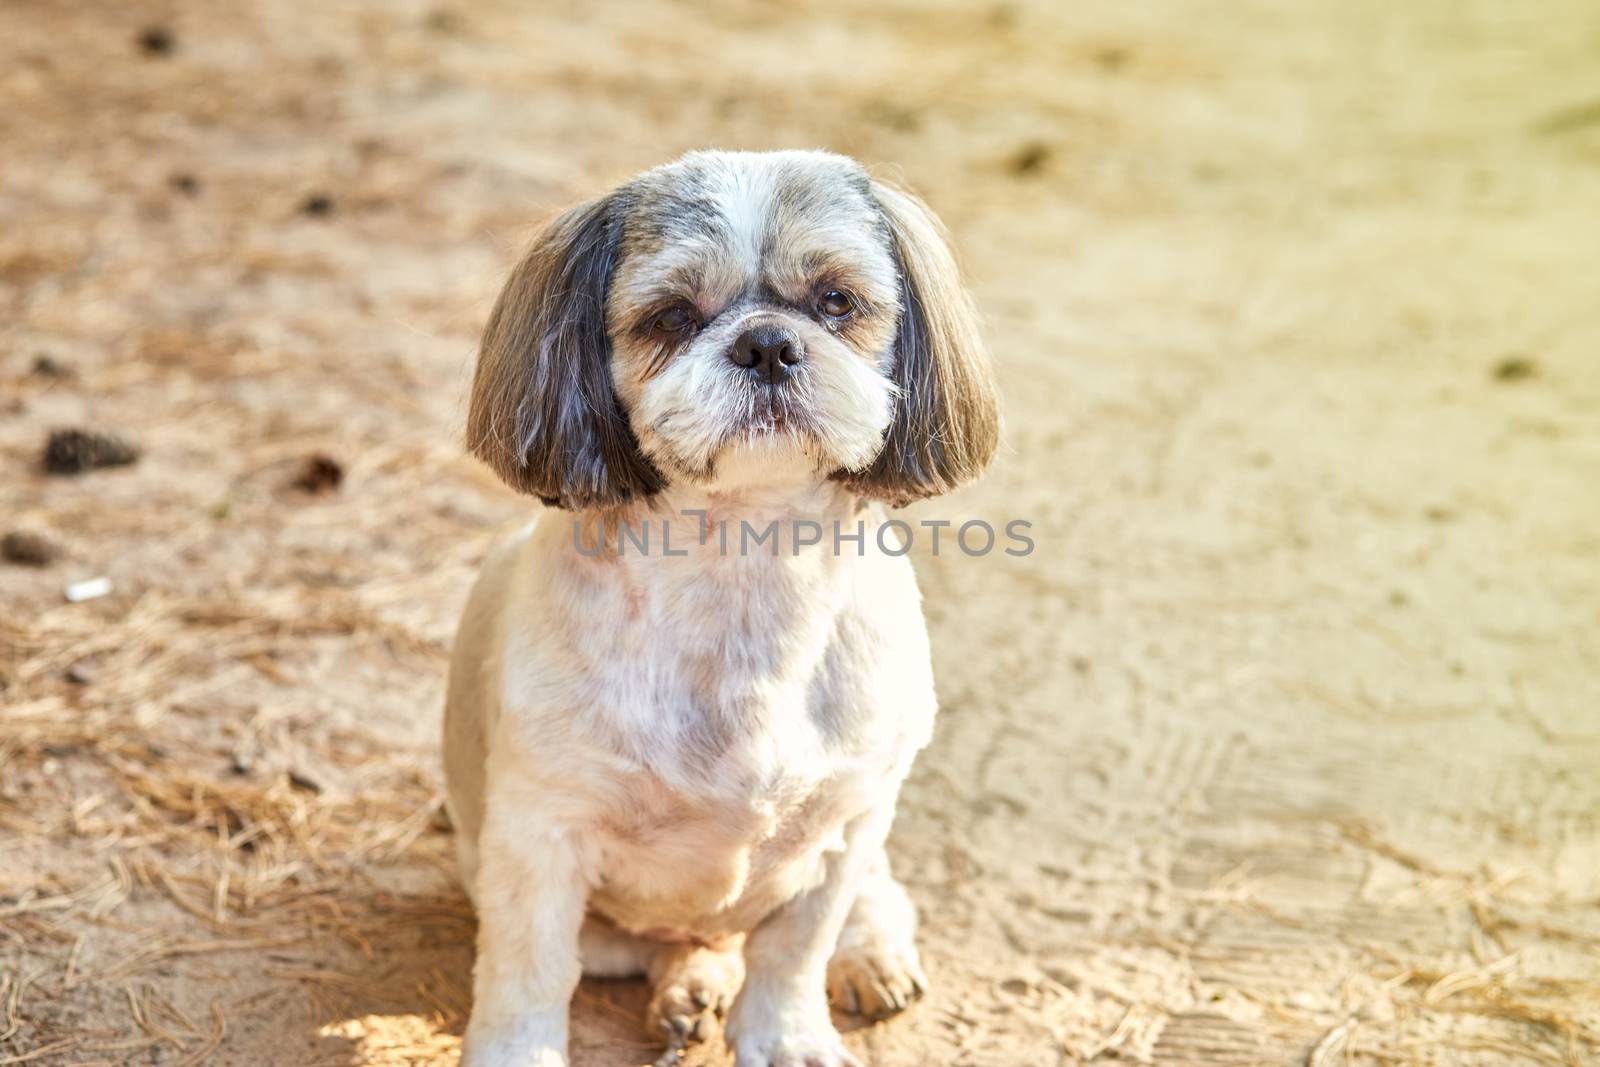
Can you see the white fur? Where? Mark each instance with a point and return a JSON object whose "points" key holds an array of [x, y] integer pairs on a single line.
{"points": [[699, 746], [697, 392]]}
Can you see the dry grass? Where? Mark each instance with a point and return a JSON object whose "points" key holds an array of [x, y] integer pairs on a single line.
{"points": [[238, 850]]}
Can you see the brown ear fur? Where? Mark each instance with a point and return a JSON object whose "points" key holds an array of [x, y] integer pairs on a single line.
{"points": [[544, 414], [947, 419]]}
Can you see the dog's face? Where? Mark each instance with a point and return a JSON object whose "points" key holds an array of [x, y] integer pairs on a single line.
{"points": [[753, 317], [736, 319]]}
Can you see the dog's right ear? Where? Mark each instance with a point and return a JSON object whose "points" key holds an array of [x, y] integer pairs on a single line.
{"points": [[544, 412]]}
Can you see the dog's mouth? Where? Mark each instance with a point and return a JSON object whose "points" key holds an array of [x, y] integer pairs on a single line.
{"points": [[773, 411], [777, 414]]}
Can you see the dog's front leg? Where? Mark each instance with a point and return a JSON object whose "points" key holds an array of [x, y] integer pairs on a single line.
{"points": [[780, 1018], [530, 895]]}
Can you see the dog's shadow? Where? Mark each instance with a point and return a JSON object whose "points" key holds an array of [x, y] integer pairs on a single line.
{"points": [[404, 996]]}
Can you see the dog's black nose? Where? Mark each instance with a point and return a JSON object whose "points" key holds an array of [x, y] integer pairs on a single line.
{"points": [[768, 352]]}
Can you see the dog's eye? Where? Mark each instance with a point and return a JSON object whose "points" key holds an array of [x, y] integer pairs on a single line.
{"points": [[835, 305], [676, 319]]}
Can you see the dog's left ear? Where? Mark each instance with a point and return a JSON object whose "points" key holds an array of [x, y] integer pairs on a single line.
{"points": [[946, 424], [544, 412]]}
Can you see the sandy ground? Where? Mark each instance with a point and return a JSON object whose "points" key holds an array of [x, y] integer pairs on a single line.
{"points": [[1281, 749]]}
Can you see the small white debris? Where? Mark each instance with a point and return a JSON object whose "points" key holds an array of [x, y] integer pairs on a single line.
{"points": [[88, 589]]}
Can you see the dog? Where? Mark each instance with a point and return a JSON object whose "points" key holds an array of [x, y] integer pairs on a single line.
{"points": [[683, 763]]}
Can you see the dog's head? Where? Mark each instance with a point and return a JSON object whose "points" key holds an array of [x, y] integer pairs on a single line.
{"points": [[736, 319]]}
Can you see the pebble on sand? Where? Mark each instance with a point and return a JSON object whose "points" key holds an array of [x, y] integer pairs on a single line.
{"points": [[28, 548], [88, 589], [75, 451]]}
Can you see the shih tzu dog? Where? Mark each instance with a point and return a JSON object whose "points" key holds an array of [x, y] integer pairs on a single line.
{"points": [[683, 762]]}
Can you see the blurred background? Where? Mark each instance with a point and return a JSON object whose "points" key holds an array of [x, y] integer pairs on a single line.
{"points": [[1280, 749]]}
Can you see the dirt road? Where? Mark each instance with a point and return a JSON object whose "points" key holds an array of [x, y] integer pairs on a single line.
{"points": [[1282, 747]]}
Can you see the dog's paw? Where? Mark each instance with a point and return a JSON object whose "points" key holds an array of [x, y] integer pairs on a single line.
{"points": [[693, 992], [819, 1046], [875, 978], [779, 1026], [516, 1043]]}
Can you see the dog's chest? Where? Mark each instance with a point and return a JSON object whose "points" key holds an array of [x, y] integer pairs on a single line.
{"points": [[705, 675]]}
